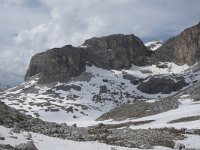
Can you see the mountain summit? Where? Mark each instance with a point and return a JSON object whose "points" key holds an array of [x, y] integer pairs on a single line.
{"points": [[111, 52], [181, 49]]}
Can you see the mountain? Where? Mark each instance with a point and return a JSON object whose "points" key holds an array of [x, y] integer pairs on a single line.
{"points": [[4, 87], [112, 52], [79, 84], [154, 45], [181, 49], [112, 89]]}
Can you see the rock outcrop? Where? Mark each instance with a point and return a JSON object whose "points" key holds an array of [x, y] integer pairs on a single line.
{"points": [[111, 52], [117, 51], [162, 84], [59, 64], [182, 49]]}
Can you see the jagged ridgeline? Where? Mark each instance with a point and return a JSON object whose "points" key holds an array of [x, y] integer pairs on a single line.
{"points": [[112, 52]]}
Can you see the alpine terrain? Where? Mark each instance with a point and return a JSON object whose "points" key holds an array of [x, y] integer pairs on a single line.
{"points": [[110, 93]]}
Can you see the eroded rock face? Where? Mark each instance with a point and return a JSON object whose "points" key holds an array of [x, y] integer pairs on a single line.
{"points": [[112, 52], [118, 51], [58, 64], [182, 49], [108, 58]]}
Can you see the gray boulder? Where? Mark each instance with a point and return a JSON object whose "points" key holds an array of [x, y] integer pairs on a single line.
{"points": [[103, 89], [2, 138]]}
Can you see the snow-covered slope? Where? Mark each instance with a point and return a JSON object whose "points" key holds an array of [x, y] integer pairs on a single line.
{"points": [[84, 98], [154, 45], [51, 143], [186, 116]]}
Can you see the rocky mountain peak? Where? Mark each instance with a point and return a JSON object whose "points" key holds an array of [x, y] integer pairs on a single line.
{"points": [[181, 49], [111, 52], [129, 44], [112, 41], [154, 45]]}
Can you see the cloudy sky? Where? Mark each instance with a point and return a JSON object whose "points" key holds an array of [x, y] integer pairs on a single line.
{"points": [[31, 26]]}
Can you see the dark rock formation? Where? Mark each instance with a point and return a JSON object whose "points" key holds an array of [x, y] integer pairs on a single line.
{"points": [[58, 64], [112, 52], [182, 49], [103, 89], [108, 58], [117, 51], [68, 87], [163, 85]]}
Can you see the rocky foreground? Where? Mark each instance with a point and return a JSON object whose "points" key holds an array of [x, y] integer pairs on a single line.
{"points": [[109, 134]]}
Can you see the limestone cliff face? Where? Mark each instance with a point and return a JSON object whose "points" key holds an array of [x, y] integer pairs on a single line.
{"points": [[118, 48], [58, 64], [112, 52], [182, 49]]}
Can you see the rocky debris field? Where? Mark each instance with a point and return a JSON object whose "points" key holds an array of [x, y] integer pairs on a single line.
{"points": [[143, 138], [140, 109]]}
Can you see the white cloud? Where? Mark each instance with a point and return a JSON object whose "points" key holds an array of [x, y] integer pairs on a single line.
{"points": [[58, 32]]}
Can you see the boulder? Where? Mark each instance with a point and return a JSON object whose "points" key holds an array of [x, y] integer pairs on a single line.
{"points": [[103, 89], [16, 129], [29, 136], [179, 146]]}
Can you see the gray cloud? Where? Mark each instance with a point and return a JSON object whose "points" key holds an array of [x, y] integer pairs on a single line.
{"points": [[30, 26]]}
